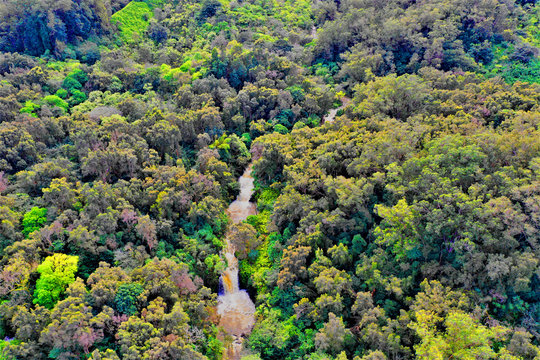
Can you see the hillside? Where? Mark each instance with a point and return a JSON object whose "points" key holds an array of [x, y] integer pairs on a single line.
{"points": [[395, 153]]}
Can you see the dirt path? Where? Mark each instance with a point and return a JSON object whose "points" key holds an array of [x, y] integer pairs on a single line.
{"points": [[330, 117]]}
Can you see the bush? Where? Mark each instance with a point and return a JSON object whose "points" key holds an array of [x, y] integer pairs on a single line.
{"points": [[88, 53], [313, 121], [158, 33], [78, 75], [209, 9]]}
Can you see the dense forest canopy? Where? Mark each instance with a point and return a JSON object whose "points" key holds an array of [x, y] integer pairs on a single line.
{"points": [[404, 225]]}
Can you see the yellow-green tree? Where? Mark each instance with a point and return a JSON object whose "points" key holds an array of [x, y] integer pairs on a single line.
{"points": [[57, 272]]}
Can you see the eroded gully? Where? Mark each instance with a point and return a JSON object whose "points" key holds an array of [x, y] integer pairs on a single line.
{"points": [[236, 310]]}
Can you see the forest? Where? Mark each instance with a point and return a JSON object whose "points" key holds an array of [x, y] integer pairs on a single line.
{"points": [[395, 147]]}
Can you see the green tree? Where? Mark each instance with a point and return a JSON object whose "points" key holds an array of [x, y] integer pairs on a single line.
{"points": [[270, 336], [71, 84], [464, 338], [334, 336], [56, 101], [127, 298], [397, 230], [34, 220], [77, 97], [56, 273]]}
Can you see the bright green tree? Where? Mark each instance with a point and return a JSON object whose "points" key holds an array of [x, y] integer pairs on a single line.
{"points": [[56, 101], [56, 273], [34, 220]]}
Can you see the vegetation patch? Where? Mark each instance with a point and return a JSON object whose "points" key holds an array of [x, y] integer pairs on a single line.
{"points": [[132, 20]]}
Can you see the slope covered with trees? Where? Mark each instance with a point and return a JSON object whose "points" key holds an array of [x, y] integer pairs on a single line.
{"points": [[406, 228]]}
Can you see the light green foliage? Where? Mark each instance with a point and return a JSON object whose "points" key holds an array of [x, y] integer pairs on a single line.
{"points": [[29, 108], [266, 199], [56, 273], [132, 20], [280, 129], [170, 74], [257, 271], [192, 65], [62, 93], [464, 338], [34, 220], [519, 62], [270, 336], [221, 143], [446, 330], [259, 221], [215, 264], [294, 13], [155, 3], [291, 13], [56, 101], [397, 229]]}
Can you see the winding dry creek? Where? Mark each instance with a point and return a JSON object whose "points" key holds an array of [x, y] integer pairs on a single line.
{"points": [[235, 308]]}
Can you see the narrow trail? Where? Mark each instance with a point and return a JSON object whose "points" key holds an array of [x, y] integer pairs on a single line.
{"points": [[330, 117], [236, 309]]}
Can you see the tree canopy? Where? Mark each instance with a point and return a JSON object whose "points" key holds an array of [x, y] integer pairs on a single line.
{"points": [[395, 148]]}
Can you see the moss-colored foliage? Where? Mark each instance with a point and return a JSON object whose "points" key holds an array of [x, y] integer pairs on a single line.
{"points": [[397, 229], [56, 273], [132, 20]]}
